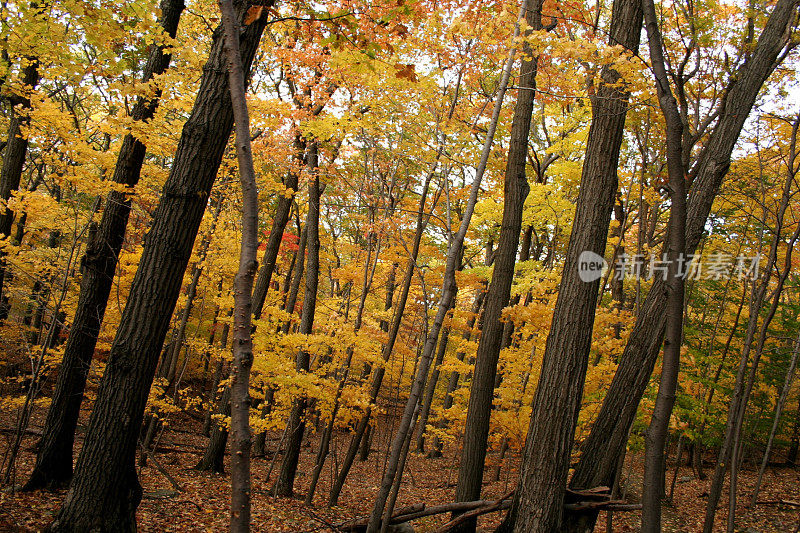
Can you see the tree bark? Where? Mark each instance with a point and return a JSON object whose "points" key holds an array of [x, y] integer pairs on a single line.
{"points": [[515, 190], [243, 282], [655, 441], [538, 502], [16, 151], [54, 459], [608, 437], [105, 490], [169, 362]]}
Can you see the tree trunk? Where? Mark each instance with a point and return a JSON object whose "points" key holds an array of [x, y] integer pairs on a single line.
{"points": [[243, 282], [515, 190], [169, 361], [16, 151], [214, 456], [452, 382], [608, 437], [369, 272], [54, 460], [105, 491], [212, 392], [430, 390], [655, 441], [284, 486], [538, 502], [791, 455], [291, 301], [730, 454], [727, 458]]}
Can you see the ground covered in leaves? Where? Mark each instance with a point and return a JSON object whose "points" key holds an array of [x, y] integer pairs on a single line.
{"points": [[194, 501]]}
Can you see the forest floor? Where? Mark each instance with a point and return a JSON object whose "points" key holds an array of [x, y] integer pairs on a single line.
{"points": [[201, 504]]}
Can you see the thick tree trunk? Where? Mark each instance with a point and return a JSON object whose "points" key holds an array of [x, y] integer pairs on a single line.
{"points": [[538, 502], [54, 460], [284, 486], [105, 491], [598, 463], [169, 361], [656, 438], [515, 190]]}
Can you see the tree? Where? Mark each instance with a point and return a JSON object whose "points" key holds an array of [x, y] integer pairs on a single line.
{"points": [[295, 427], [16, 148], [399, 446], [105, 490], [608, 437], [476, 430], [54, 459], [538, 502], [243, 285], [653, 489]]}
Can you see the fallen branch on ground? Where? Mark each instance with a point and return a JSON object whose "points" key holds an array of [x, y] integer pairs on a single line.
{"points": [[595, 499]]}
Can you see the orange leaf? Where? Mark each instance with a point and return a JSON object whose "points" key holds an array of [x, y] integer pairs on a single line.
{"points": [[407, 72], [253, 14]]}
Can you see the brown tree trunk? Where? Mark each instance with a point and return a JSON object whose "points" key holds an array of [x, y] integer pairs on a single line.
{"points": [[608, 437], [214, 456], [213, 391], [105, 490], [54, 459], [430, 390], [169, 361], [284, 486], [656, 438], [243, 282], [16, 151], [294, 290], [452, 381], [538, 502], [515, 190]]}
